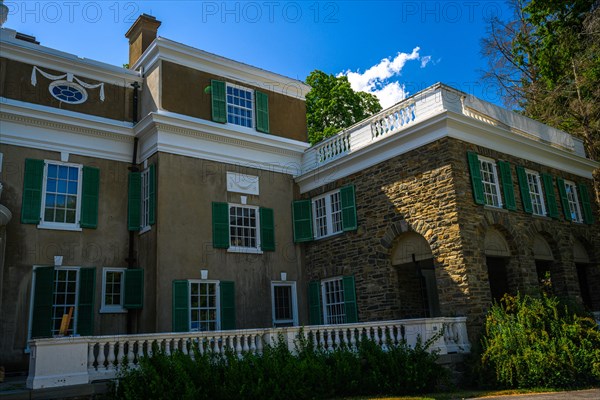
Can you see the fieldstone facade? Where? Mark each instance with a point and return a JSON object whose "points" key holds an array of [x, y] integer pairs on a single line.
{"points": [[428, 191]]}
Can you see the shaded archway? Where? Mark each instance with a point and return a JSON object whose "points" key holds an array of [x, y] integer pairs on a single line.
{"points": [[544, 261], [588, 277], [413, 259], [497, 258]]}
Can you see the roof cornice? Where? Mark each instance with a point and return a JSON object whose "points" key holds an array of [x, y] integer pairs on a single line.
{"points": [[168, 50], [34, 54]]}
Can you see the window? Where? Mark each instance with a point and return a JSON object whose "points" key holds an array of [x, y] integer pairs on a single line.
{"points": [[113, 289], [489, 179], [145, 206], [141, 206], [240, 105], [573, 201], [202, 305], [57, 291], [68, 92], [243, 223], [327, 211], [204, 315], [65, 298], [242, 228], [535, 192], [283, 295], [332, 301], [58, 195], [62, 195]]}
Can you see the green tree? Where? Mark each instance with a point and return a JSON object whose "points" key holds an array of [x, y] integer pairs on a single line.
{"points": [[546, 58], [332, 105]]}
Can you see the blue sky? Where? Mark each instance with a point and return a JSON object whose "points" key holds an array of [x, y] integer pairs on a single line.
{"points": [[390, 48]]}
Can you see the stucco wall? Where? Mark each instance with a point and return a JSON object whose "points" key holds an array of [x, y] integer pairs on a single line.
{"points": [[15, 83], [183, 92], [186, 189], [27, 246]]}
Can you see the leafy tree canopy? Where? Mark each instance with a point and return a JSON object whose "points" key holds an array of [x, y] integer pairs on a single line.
{"points": [[546, 58], [332, 105]]}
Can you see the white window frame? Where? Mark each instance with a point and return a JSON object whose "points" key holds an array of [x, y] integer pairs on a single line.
{"points": [[145, 203], [242, 249], [573, 200], [217, 302], [61, 225], [488, 184], [75, 305], [537, 183], [340, 318], [294, 320], [328, 217], [252, 101], [112, 308], [32, 295]]}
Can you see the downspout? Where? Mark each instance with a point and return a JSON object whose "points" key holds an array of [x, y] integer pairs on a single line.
{"points": [[131, 258]]}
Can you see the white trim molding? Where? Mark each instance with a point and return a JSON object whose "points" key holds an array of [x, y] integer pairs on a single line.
{"points": [[168, 50]]}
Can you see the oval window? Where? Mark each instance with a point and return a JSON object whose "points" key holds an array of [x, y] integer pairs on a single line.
{"points": [[68, 92]]}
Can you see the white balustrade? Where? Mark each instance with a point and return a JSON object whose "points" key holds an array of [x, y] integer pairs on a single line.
{"points": [[100, 357]]}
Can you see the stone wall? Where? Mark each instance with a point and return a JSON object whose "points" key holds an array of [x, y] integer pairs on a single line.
{"points": [[428, 191]]}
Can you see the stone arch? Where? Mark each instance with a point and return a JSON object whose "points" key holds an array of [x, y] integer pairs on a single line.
{"points": [[397, 228], [588, 273], [500, 254], [412, 258]]}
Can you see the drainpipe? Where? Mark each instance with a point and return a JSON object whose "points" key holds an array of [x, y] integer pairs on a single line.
{"points": [[132, 315]]}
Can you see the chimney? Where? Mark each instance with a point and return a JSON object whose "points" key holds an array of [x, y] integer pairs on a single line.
{"points": [[141, 34]]}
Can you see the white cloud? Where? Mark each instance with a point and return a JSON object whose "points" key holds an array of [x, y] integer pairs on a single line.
{"points": [[376, 79], [425, 60]]}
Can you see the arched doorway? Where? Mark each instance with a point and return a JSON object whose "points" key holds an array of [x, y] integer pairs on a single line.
{"points": [[544, 261], [585, 276], [413, 259], [497, 256]]}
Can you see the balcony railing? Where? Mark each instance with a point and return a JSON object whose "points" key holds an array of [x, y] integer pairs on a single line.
{"points": [[434, 100], [78, 360]]}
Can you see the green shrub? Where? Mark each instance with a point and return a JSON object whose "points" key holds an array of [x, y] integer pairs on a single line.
{"points": [[310, 373], [540, 342]]}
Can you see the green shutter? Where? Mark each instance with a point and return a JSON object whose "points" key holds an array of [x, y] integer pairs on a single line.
{"points": [[89, 198], [227, 305], [219, 103], [475, 170], [134, 289], [220, 220], [350, 300], [524, 188], [586, 205], [302, 215], [181, 313], [152, 194], [563, 198], [43, 298], [262, 111], [507, 185], [85, 306], [32, 191], [134, 201], [551, 204], [348, 208], [314, 303], [267, 229]]}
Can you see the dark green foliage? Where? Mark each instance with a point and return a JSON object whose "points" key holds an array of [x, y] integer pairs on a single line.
{"points": [[279, 374], [332, 105], [540, 342]]}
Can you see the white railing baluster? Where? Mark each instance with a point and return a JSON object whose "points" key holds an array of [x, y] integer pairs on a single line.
{"points": [[111, 355], [101, 356], [91, 357]]}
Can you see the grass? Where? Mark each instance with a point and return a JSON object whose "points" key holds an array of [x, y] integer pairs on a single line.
{"points": [[459, 395]]}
